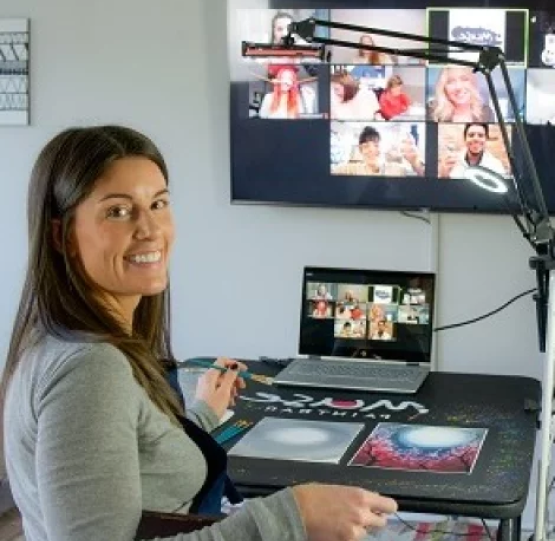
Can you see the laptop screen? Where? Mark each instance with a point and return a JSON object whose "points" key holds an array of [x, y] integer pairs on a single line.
{"points": [[367, 314]]}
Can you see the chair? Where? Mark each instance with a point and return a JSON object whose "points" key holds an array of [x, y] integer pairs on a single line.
{"points": [[155, 524]]}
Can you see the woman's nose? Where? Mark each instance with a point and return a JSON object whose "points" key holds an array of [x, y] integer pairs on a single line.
{"points": [[147, 226]]}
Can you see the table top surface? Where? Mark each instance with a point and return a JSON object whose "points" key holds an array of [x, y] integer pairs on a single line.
{"points": [[495, 486]]}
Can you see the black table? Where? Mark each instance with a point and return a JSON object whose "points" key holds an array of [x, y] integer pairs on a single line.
{"points": [[496, 488]]}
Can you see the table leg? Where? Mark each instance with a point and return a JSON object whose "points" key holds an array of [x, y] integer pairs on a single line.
{"points": [[509, 529]]}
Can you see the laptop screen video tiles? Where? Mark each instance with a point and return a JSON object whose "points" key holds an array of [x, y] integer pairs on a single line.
{"points": [[367, 314]]}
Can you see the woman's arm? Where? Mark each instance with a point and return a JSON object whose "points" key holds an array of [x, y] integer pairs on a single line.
{"points": [[385, 105], [202, 415], [264, 111], [88, 464]]}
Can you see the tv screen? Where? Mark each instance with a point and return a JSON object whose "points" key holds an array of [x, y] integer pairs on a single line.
{"points": [[382, 130]]}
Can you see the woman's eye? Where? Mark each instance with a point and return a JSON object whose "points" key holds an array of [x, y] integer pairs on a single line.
{"points": [[160, 204], [118, 212]]}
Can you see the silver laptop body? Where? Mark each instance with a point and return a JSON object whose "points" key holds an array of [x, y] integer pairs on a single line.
{"points": [[353, 375]]}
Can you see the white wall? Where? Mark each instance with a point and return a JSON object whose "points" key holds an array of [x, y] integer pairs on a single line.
{"points": [[162, 67]]}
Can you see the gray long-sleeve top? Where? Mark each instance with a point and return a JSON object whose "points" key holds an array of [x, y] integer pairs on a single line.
{"points": [[87, 451]]}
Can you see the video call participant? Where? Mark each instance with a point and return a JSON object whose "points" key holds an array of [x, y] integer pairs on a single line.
{"points": [[381, 332], [322, 293], [357, 312], [279, 27], [377, 312], [412, 316], [351, 101], [375, 58], [346, 330], [321, 309], [374, 162], [457, 98], [343, 311], [475, 135], [349, 296], [393, 101], [289, 99]]}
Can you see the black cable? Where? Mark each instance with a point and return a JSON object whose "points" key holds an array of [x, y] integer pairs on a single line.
{"points": [[417, 530], [415, 216], [479, 318], [488, 531]]}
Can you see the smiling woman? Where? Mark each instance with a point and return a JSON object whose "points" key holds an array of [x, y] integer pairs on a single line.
{"points": [[94, 434], [457, 98], [123, 233]]}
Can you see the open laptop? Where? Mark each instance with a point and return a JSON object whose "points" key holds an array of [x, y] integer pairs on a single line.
{"points": [[365, 330]]}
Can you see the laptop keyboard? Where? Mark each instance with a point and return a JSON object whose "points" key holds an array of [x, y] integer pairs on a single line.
{"points": [[355, 369]]}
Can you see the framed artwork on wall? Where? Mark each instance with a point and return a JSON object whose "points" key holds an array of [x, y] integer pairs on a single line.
{"points": [[14, 72]]}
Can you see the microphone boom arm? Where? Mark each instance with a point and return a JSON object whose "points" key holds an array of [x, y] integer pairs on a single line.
{"points": [[538, 226]]}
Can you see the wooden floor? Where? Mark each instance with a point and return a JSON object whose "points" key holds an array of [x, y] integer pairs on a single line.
{"points": [[10, 526]]}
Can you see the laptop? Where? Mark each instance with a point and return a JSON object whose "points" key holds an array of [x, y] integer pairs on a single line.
{"points": [[366, 330]]}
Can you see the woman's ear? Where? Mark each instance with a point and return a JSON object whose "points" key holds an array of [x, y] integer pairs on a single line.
{"points": [[57, 239], [57, 235]]}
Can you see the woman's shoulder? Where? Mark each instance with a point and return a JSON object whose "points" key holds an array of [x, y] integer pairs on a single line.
{"points": [[51, 357], [53, 367], [487, 113], [431, 107], [385, 95], [77, 343]]}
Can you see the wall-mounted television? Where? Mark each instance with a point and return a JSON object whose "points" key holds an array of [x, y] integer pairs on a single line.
{"points": [[385, 131]]}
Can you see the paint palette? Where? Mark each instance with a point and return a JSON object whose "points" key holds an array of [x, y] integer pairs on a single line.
{"points": [[295, 439]]}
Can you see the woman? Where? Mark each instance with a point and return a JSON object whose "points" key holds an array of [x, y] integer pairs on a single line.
{"points": [[350, 101], [93, 432], [366, 56], [280, 26], [457, 98], [287, 99], [321, 309], [349, 296], [343, 311], [322, 293], [393, 101]]}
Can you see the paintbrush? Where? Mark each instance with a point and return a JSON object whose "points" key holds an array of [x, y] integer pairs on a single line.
{"points": [[233, 430], [245, 374]]}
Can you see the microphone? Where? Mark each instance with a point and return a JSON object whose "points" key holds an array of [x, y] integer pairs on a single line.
{"points": [[282, 50]]}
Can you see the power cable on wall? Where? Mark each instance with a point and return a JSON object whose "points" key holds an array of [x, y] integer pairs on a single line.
{"points": [[489, 314]]}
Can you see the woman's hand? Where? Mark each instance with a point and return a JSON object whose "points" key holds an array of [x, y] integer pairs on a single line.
{"points": [[410, 153], [219, 389], [447, 162], [341, 513], [309, 98]]}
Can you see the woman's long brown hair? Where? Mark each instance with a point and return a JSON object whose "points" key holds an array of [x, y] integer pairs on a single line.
{"points": [[57, 299]]}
